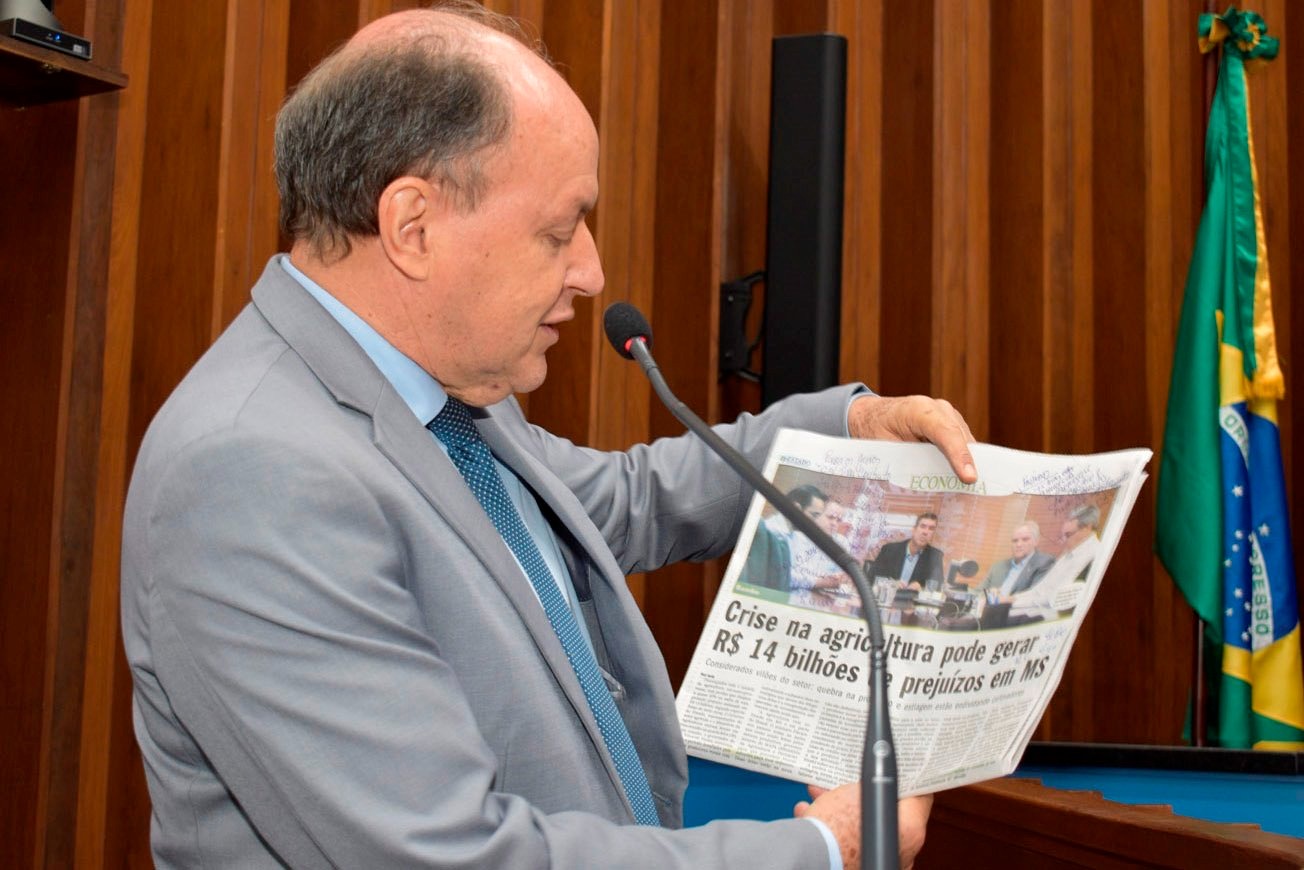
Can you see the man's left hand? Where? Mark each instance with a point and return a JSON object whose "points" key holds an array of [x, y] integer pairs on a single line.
{"points": [[915, 418]]}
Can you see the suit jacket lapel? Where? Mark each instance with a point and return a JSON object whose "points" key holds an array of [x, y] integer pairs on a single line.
{"points": [[547, 487], [355, 382], [567, 508]]}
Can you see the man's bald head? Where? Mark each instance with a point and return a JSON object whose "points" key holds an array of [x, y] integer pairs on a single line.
{"points": [[426, 92]]}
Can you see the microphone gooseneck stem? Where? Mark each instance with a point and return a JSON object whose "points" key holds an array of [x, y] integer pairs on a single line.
{"points": [[878, 776]]}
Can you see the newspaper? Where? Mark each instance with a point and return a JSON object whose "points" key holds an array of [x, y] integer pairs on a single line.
{"points": [[779, 680]]}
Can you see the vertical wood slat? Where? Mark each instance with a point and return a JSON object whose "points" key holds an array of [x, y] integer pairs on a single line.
{"points": [[77, 435], [253, 83], [108, 818], [175, 279], [1170, 128], [695, 38], [905, 327], [959, 255], [72, 546], [862, 250], [746, 178], [1028, 172], [34, 233], [628, 126], [54, 247], [1159, 313]]}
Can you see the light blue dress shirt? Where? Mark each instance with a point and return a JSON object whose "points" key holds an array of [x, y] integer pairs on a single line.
{"points": [[909, 562], [1016, 570], [426, 398]]}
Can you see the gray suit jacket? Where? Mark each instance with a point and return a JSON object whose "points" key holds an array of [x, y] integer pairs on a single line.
{"points": [[337, 661], [1039, 563]]}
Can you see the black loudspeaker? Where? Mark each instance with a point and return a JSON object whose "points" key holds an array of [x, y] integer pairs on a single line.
{"points": [[803, 268]]}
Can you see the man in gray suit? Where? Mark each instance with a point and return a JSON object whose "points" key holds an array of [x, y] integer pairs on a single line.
{"points": [[356, 643], [1026, 564]]}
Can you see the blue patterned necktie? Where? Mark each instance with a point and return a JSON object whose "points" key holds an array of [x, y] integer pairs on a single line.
{"points": [[471, 455]]}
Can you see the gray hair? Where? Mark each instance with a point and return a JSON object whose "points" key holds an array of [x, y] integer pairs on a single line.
{"points": [[1031, 526], [426, 106], [1087, 515]]}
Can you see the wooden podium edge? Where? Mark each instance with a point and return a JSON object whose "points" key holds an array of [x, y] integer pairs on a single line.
{"points": [[990, 823]]}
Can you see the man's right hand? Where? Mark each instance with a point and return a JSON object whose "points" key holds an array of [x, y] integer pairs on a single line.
{"points": [[839, 808]]}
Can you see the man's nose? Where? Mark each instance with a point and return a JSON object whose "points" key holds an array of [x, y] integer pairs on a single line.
{"points": [[586, 275]]}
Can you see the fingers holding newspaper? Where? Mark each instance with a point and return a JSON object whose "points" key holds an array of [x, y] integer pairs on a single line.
{"points": [[916, 418], [839, 808]]}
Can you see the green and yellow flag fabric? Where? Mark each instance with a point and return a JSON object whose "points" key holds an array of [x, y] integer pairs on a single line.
{"points": [[1222, 528]]}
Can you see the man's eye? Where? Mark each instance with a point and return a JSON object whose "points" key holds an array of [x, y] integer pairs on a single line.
{"points": [[559, 241]]}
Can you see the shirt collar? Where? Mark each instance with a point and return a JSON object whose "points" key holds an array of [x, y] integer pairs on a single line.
{"points": [[415, 386]]}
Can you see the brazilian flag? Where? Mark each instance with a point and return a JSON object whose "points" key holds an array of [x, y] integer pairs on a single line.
{"points": [[1222, 528]]}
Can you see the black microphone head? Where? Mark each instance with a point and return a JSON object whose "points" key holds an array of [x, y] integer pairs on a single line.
{"points": [[624, 323]]}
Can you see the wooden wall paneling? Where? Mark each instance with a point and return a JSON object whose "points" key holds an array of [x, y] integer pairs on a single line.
{"points": [[1089, 703], [1172, 621], [905, 329], [695, 38], [1173, 142], [627, 124], [623, 225], [529, 12], [315, 29], [179, 202], [51, 188], [746, 178], [1065, 252], [113, 808], [960, 236], [1067, 245], [72, 537], [791, 17], [1072, 294], [573, 30], [1029, 176], [39, 144], [370, 10], [253, 86], [862, 234]]}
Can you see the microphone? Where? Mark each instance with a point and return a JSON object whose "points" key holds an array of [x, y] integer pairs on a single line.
{"points": [[623, 323], [628, 331]]}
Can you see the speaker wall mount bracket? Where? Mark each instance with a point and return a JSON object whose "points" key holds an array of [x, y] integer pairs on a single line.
{"points": [[735, 347]]}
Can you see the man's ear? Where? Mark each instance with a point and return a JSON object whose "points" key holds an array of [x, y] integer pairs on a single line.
{"points": [[406, 215]]}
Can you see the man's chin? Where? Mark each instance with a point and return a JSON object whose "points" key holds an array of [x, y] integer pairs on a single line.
{"points": [[531, 376]]}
